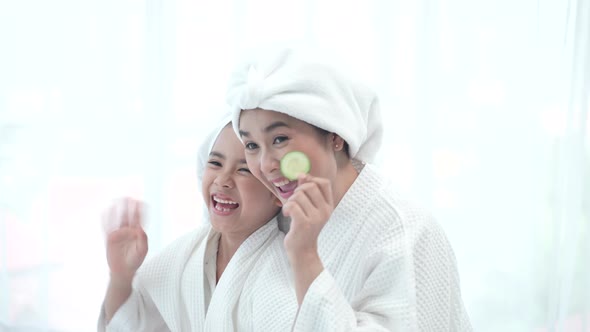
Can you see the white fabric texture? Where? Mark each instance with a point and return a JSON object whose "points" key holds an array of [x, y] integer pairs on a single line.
{"points": [[388, 267], [254, 293], [298, 82]]}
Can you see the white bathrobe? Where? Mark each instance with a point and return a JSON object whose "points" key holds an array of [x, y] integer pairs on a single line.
{"points": [[388, 267], [176, 291]]}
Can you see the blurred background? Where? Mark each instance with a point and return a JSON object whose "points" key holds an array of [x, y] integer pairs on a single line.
{"points": [[485, 105]]}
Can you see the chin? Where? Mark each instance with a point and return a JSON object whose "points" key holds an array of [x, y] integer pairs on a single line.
{"points": [[274, 191], [221, 227]]}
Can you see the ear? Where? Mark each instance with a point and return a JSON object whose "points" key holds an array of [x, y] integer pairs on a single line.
{"points": [[337, 142]]}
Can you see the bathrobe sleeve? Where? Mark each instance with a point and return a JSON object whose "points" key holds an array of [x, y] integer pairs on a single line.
{"points": [[409, 287], [374, 308], [438, 293], [138, 313]]}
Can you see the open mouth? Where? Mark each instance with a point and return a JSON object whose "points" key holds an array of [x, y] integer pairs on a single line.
{"points": [[285, 187], [224, 205]]}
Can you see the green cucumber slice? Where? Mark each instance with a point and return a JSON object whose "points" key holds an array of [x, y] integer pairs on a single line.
{"points": [[294, 163]]}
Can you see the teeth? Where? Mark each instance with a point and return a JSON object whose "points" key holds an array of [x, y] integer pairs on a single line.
{"points": [[223, 201], [282, 183], [218, 208]]}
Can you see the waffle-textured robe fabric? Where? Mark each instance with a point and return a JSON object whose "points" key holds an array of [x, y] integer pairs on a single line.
{"points": [[255, 292], [388, 267]]}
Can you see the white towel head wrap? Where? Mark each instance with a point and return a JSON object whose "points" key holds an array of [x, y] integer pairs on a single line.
{"points": [[297, 83], [207, 145]]}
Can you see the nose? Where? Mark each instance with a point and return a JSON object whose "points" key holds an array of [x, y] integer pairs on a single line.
{"points": [[224, 179], [268, 162]]}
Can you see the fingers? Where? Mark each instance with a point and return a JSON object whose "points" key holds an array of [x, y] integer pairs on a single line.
{"points": [[324, 186], [294, 211], [317, 190], [142, 245], [110, 221], [125, 212], [134, 212], [311, 193], [308, 200], [311, 201]]}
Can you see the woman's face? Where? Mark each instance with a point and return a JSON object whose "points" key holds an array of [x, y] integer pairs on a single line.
{"points": [[269, 135], [237, 202]]}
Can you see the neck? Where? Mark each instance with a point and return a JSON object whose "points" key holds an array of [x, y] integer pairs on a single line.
{"points": [[228, 245], [346, 176], [226, 248]]}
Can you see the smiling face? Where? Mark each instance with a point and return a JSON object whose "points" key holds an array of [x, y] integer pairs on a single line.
{"points": [[269, 135], [237, 202]]}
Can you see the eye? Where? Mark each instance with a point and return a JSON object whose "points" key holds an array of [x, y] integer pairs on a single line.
{"points": [[280, 139], [251, 146], [244, 170], [214, 163]]}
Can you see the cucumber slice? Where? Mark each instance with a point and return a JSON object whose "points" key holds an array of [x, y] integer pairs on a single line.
{"points": [[293, 164]]}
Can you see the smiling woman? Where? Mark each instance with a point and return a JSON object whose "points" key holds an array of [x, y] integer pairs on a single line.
{"points": [[230, 274], [362, 257]]}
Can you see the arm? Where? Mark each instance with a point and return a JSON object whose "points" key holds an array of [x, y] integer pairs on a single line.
{"points": [[126, 251], [322, 305], [439, 303], [127, 247], [409, 282], [136, 313], [306, 267], [383, 303], [414, 289], [118, 292], [309, 207]]}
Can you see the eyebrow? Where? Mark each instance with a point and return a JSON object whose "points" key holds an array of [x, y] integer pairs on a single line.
{"points": [[216, 154], [222, 156], [268, 128]]}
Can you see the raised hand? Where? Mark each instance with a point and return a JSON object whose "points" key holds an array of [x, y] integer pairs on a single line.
{"points": [[126, 242], [309, 207]]}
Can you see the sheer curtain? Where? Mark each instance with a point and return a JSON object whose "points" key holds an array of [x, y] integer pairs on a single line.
{"points": [[485, 104]]}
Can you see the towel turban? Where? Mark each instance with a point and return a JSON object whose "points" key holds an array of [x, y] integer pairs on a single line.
{"points": [[299, 83]]}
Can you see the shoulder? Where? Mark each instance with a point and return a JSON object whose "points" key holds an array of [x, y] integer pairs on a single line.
{"points": [[273, 254], [275, 239], [394, 213]]}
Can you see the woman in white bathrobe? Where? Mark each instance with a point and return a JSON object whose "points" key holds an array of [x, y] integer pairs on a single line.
{"points": [[229, 275], [362, 257]]}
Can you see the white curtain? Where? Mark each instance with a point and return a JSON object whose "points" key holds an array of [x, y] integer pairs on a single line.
{"points": [[485, 104]]}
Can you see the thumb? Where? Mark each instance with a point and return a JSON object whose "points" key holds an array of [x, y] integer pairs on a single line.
{"points": [[142, 243]]}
